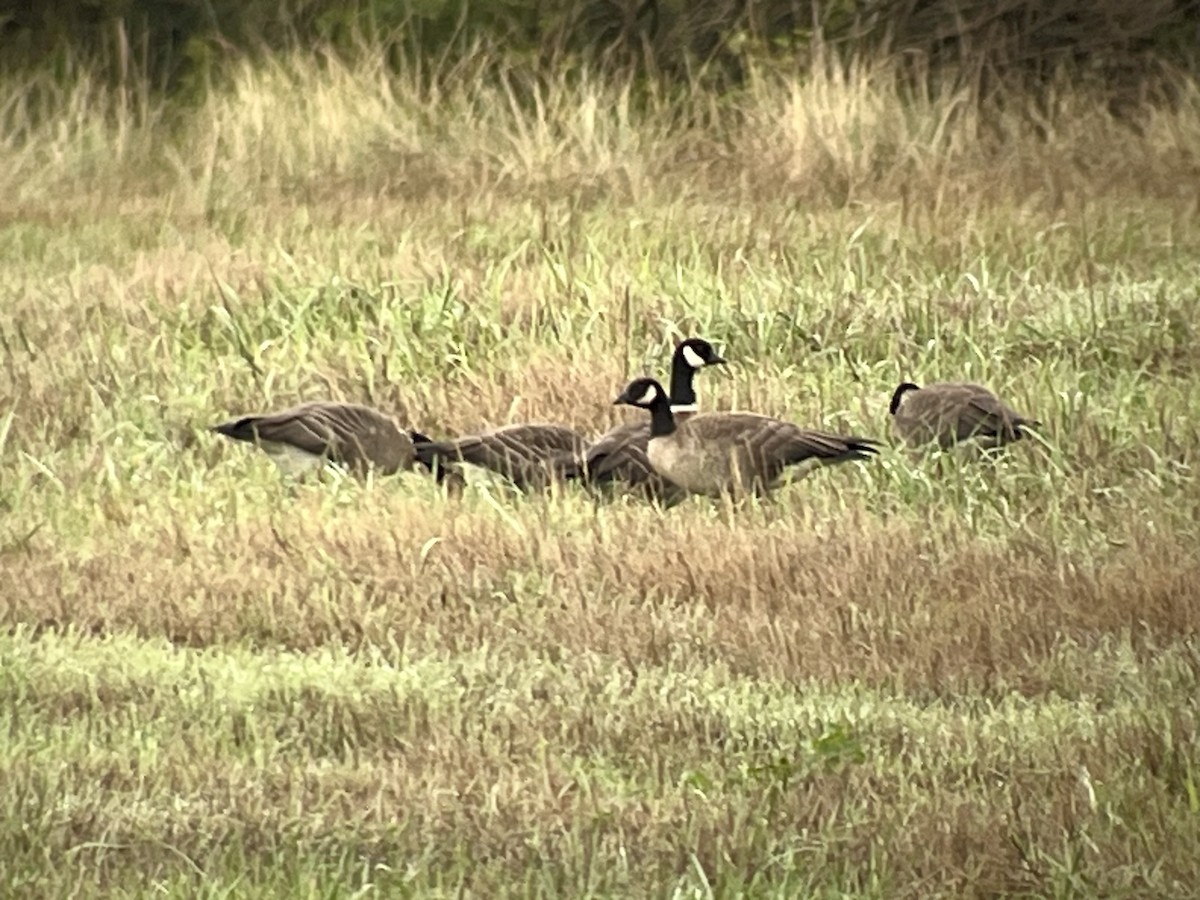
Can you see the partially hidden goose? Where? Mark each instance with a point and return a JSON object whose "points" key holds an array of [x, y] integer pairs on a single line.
{"points": [[733, 452], [620, 454], [529, 455], [306, 437], [954, 412]]}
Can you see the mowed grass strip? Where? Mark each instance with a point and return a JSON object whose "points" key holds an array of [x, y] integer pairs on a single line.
{"points": [[497, 768], [906, 678]]}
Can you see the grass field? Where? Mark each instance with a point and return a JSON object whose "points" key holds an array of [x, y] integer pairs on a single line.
{"points": [[899, 679]]}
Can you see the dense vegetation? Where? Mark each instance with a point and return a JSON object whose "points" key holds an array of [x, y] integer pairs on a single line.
{"points": [[900, 679], [184, 43]]}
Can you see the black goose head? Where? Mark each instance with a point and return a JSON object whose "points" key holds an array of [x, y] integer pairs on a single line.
{"points": [[644, 393], [690, 357], [696, 353], [904, 388]]}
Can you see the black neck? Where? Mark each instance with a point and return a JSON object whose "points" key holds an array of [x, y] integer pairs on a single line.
{"points": [[900, 392], [662, 420], [683, 393]]}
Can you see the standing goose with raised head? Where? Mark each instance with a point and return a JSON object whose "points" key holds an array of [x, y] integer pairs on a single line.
{"points": [[954, 412], [310, 435], [620, 454], [735, 452], [531, 455]]}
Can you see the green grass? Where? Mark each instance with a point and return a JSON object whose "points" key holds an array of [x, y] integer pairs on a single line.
{"points": [[302, 770], [899, 679]]}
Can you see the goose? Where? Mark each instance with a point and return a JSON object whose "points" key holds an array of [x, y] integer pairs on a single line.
{"points": [[307, 436], [533, 455], [530, 455], [733, 452], [954, 412], [620, 454]]}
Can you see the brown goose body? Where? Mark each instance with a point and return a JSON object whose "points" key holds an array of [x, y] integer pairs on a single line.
{"points": [[620, 454], [530, 455], [620, 457], [309, 435], [955, 412], [741, 453], [738, 452]]}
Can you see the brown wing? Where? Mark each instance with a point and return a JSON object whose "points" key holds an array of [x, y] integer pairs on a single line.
{"points": [[525, 454], [986, 414], [319, 428], [768, 445], [933, 413], [619, 457], [355, 436], [517, 444]]}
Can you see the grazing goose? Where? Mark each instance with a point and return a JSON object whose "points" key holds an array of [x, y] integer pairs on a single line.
{"points": [[620, 454], [529, 455], [736, 452], [307, 436], [950, 413]]}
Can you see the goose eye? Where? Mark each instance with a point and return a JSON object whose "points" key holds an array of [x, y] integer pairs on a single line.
{"points": [[648, 397]]}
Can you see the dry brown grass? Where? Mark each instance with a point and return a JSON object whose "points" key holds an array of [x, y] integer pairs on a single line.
{"points": [[897, 679], [885, 604]]}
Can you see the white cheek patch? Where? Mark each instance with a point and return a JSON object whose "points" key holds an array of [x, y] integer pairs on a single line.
{"points": [[692, 358], [649, 397]]}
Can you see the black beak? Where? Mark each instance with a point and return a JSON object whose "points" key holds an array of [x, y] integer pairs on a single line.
{"points": [[717, 361]]}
